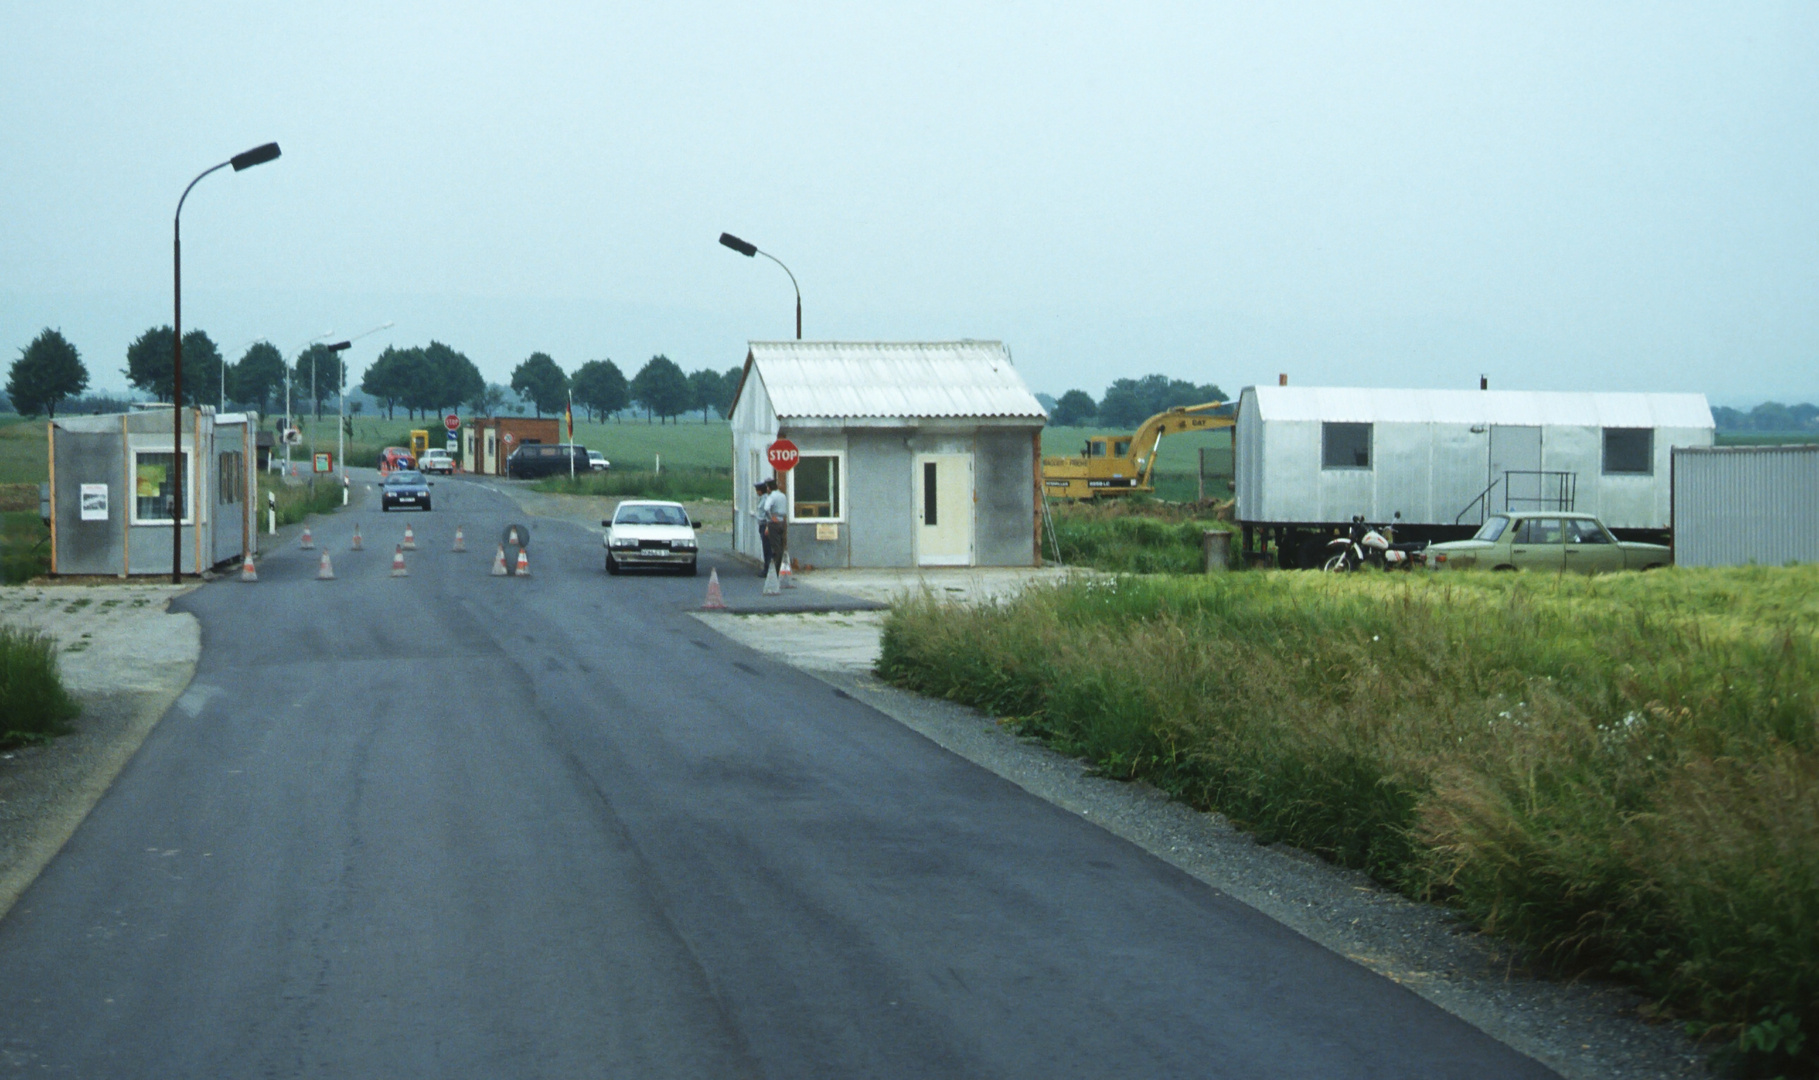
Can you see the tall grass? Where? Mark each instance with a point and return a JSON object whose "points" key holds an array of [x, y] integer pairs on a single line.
{"points": [[1132, 535], [25, 549], [298, 501], [1620, 774], [34, 706], [679, 484]]}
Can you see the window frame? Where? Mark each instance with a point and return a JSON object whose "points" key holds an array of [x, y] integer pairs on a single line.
{"points": [[1370, 446], [1648, 457], [839, 457], [191, 503]]}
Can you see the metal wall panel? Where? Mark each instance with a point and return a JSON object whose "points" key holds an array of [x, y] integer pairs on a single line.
{"points": [[1737, 505]]}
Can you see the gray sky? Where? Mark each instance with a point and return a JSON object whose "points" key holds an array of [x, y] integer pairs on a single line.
{"points": [[1580, 196]]}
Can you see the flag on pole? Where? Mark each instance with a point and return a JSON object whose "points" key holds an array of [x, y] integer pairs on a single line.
{"points": [[570, 417]]}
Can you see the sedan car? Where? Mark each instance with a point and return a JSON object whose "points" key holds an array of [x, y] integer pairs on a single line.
{"points": [[644, 532], [406, 487], [437, 461], [1546, 540], [597, 461]]}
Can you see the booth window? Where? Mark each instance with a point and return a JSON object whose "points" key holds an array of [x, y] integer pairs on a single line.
{"points": [[1345, 446], [154, 494], [233, 476], [815, 488], [1629, 451]]}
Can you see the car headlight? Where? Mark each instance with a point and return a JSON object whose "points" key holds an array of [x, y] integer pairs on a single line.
{"points": [[682, 545], [625, 543]]}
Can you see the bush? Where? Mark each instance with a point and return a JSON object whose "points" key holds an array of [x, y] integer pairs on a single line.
{"points": [[34, 706], [1620, 774], [678, 484]]}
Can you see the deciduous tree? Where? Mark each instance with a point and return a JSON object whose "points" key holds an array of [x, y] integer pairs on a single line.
{"points": [[1074, 408], [258, 378], [148, 365], [541, 382], [47, 371], [600, 388], [661, 388]]}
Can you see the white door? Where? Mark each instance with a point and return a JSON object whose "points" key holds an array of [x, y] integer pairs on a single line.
{"points": [[490, 458], [944, 509], [1515, 448]]}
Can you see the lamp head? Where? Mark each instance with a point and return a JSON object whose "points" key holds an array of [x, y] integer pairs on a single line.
{"points": [[340, 345], [258, 155], [743, 248]]}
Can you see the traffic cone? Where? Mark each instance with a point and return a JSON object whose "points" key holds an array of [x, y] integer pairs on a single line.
{"points": [[358, 544], [786, 579], [460, 541], [524, 564], [499, 569], [410, 540], [715, 601], [771, 587], [325, 570], [247, 571], [308, 541], [398, 569]]}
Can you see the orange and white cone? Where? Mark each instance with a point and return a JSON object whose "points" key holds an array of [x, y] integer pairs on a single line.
{"points": [[357, 544], [524, 564], [325, 570], [499, 569], [248, 572], [715, 601], [308, 541], [460, 540], [784, 577], [398, 569], [410, 540]]}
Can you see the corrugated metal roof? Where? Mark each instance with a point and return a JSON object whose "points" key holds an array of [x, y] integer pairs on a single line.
{"points": [[1524, 407], [892, 379]]}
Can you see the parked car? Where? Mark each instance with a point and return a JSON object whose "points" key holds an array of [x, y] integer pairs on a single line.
{"points": [[437, 461], [1546, 540], [393, 458], [645, 532], [532, 460], [406, 487], [597, 461]]}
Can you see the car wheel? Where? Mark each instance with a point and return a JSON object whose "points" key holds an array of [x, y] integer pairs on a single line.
{"points": [[1501, 569], [612, 566], [693, 569], [385, 508], [426, 506]]}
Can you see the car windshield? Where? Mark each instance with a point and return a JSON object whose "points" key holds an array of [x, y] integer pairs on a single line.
{"points": [[403, 479], [650, 515], [1492, 528]]}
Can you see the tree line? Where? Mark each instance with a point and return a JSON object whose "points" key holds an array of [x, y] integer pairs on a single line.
{"points": [[423, 380], [1129, 402], [1769, 418]]}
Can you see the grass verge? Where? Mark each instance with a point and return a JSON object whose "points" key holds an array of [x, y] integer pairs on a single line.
{"points": [[34, 706], [1620, 774], [298, 501], [678, 484]]}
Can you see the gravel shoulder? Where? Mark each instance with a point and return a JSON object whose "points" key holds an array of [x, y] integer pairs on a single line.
{"points": [[127, 660], [1583, 1030]]}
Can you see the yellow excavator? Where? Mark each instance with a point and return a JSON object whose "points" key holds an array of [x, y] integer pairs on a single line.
{"points": [[1123, 464]]}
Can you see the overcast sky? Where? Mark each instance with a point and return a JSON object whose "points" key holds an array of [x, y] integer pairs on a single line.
{"points": [[1581, 196]]}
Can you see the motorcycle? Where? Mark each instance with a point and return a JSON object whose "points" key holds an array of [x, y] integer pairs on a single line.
{"points": [[1373, 546]]}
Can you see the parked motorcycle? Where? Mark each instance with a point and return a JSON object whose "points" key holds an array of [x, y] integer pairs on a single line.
{"points": [[1367, 545]]}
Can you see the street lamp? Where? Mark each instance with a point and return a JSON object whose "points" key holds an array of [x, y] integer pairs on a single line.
{"points": [[748, 250], [338, 348], [258, 155]]}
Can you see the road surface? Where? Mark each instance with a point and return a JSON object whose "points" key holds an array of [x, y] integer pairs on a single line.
{"points": [[454, 825]]}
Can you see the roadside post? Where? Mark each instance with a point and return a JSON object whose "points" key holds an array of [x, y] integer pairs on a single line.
{"points": [[1216, 547], [271, 513]]}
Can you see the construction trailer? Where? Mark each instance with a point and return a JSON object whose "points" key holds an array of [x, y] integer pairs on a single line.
{"points": [[112, 491], [1746, 505], [1437, 462], [912, 453]]}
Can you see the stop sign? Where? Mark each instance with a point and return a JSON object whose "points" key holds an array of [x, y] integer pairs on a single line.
{"points": [[452, 422], [783, 455]]}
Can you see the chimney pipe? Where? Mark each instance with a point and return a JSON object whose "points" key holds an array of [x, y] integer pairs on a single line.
{"points": [[1484, 382], [1282, 379]]}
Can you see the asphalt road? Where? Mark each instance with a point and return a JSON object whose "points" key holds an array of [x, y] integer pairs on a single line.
{"points": [[453, 825]]}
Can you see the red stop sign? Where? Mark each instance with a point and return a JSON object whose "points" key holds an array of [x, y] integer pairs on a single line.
{"points": [[452, 422], [783, 455]]}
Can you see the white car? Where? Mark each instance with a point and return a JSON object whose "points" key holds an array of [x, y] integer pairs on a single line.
{"points": [[437, 461], [645, 532], [597, 461]]}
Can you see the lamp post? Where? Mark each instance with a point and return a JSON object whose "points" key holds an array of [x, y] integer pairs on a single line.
{"points": [[288, 379], [748, 250], [258, 155], [339, 348]]}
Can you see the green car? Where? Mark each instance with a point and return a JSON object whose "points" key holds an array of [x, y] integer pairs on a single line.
{"points": [[1546, 540]]}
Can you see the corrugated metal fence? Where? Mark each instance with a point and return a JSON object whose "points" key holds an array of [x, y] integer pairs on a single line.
{"points": [[1737, 505]]}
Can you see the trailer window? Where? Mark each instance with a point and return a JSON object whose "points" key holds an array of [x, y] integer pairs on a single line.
{"points": [[1345, 446], [1629, 451]]}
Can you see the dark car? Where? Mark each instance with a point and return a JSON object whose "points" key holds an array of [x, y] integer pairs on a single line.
{"points": [[406, 487], [547, 459]]}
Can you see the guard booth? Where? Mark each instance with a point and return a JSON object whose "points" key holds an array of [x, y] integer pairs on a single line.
{"points": [[114, 486], [487, 441]]}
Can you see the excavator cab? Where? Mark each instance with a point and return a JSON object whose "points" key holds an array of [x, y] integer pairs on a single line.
{"points": [[1121, 447], [1095, 448]]}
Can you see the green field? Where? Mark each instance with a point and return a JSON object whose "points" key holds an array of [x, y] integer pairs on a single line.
{"points": [[24, 451]]}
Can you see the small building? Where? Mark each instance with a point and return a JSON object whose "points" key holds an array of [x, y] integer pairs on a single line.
{"points": [[112, 495], [1743, 505], [1309, 458], [912, 453], [487, 441]]}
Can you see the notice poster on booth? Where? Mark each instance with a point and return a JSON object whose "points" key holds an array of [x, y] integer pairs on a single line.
{"points": [[94, 502]]}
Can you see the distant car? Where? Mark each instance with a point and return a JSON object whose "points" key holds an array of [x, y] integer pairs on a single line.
{"points": [[437, 461], [532, 460], [393, 458], [645, 532], [597, 461], [406, 487], [1546, 540]]}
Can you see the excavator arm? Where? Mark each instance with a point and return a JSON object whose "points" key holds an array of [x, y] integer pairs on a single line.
{"points": [[1148, 438]]}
